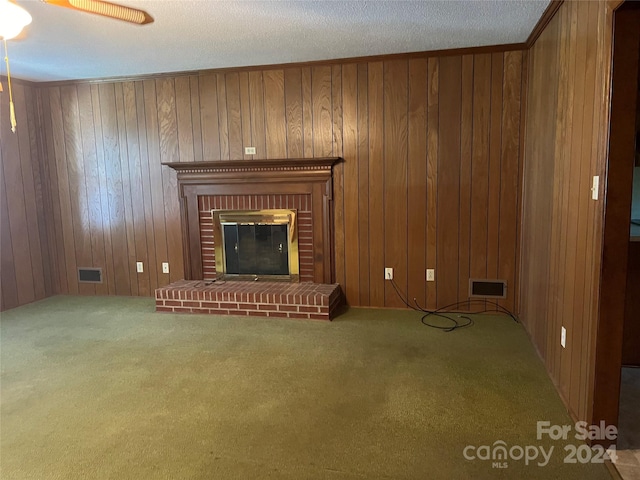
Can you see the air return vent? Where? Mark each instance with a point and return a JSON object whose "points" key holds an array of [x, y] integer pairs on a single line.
{"points": [[487, 288], [90, 275]]}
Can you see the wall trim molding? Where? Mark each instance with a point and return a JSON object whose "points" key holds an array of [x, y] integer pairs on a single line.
{"points": [[546, 17], [509, 47]]}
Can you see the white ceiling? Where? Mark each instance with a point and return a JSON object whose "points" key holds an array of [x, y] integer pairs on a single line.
{"points": [[61, 44]]}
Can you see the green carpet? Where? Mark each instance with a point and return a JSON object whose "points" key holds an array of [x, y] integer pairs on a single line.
{"points": [[103, 387]]}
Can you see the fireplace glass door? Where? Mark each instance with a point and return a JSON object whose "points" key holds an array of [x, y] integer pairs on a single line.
{"points": [[253, 244], [256, 249]]}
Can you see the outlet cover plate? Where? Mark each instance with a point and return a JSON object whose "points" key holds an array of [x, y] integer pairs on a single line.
{"points": [[139, 267], [165, 267], [563, 337], [388, 273]]}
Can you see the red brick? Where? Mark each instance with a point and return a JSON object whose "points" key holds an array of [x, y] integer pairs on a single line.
{"points": [[266, 307], [315, 316], [288, 308], [229, 305], [217, 311], [199, 310], [248, 306], [191, 304], [304, 308], [277, 314], [210, 304], [172, 303], [258, 314], [298, 315], [324, 309], [164, 309]]}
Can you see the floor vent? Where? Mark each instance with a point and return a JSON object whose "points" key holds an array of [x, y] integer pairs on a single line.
{"points": [[487, 288], [90, 275]]}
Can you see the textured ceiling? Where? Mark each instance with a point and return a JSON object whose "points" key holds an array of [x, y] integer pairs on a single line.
{"points": [[200, 34]]}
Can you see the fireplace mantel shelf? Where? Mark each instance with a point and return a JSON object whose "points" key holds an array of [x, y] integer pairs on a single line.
{"points": [[254, 165]]}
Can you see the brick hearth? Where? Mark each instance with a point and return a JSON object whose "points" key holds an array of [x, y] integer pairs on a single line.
{"points": [[265, 299]]}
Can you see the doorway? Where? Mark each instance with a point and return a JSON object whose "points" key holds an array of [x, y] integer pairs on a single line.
{"points": [[617, 379]]}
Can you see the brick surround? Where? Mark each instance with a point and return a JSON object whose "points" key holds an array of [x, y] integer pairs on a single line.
{"points": [[301, 203], [303, 300]]}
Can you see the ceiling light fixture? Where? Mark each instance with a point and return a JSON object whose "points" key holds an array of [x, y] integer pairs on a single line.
{"points": [[12, 19]]}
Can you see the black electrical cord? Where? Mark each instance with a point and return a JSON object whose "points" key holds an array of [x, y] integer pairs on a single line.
{"points": [[446, 311]]}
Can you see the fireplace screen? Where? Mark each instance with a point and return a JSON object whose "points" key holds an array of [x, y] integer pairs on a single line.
{"points": [[256, 243]]}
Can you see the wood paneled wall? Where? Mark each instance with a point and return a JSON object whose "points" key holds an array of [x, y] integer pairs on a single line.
{"points": [[429, 179], [565, 145], [412, 133], [25, 273]]}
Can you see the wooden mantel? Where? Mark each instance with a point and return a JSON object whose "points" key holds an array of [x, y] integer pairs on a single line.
{"points": [[311, 176]]}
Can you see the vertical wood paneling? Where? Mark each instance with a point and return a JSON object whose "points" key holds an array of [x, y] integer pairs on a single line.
{"points": [[145, 209], [293, 105], [7, 258], [480, 165], [429, 146], [448, 209], [307, 122], [60, 266], [495, 164], [256, 100], [77, 181], [28, 157], [155, 178], [169, 153], [417, 179], [321, 108], [59, 153], [194, 88], [510, 172], [90, 160], [234, 116], [395, 176], [433, 130], [209, 117], [363, 183], [338, 177], [560, 255], [223, 116], [350, 239], [136, 187], [184, 119], [376, 185], [466, 181], [276, 133], [25, 264]]}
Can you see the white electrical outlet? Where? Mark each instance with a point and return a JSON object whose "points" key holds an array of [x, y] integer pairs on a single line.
{"points": [[165, 267], [431, 275], [388, 273], [139, 267], [249, 150], [563, 337]]}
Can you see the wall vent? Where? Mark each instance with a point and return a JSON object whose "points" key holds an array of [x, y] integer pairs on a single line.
{"points": [[90, 275], [487, 288]]}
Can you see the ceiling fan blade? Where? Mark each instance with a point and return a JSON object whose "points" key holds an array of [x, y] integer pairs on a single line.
{"points": [[106, 9]]}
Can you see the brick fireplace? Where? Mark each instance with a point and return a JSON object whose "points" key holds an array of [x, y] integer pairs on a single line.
{"points": [[302, 186]]}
